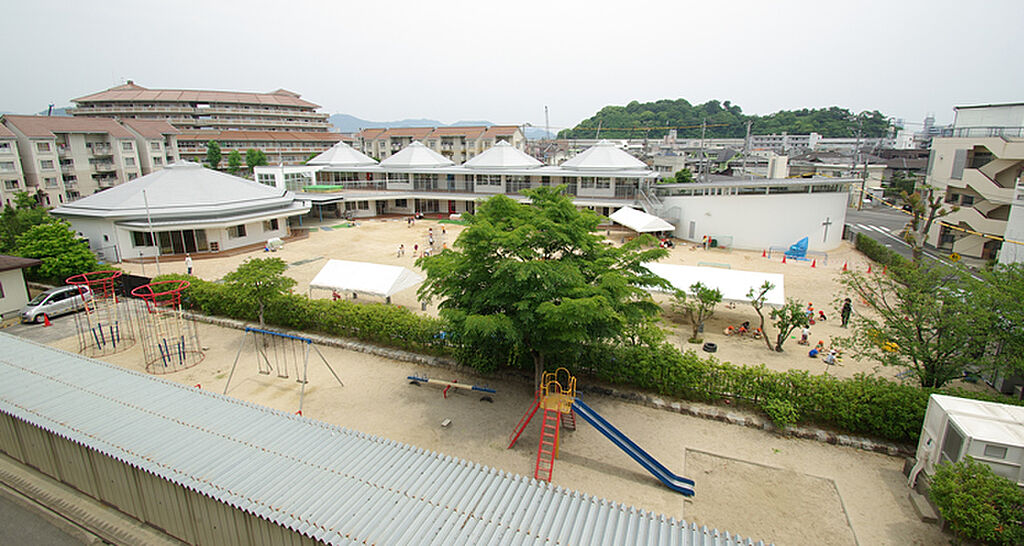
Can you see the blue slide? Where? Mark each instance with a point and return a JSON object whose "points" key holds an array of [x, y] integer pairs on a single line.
{"points": [[678, 484]]}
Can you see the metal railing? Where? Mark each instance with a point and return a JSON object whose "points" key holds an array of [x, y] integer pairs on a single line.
{"points": [[980, 132]]}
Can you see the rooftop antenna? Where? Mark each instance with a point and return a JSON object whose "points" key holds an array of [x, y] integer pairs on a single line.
{"points": [[49, 110]]}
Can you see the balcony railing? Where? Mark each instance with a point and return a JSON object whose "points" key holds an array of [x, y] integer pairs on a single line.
{"points": [[981, 132], [101, 150]]}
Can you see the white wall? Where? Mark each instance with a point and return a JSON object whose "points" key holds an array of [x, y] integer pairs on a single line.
{"points": [[761, 221], [15, 295]]}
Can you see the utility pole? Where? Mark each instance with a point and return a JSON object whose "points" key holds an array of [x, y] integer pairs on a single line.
{"points": [[598, 137], [547, 124], [856, 155], [746, 149], [703, 156]]}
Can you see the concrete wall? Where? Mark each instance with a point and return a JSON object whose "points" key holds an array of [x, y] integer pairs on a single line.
{"points": [[761, 221], [189, 516], [15, 293]]}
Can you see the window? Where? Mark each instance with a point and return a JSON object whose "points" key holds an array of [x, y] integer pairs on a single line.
{"points": [[157, 160], [6, 166], [129, 161], [401, 203], [155, 146], [489, 180], [5, 147], [604, 183], [996, 452], [132, 176], [270, 225], [50, 182], [266, 179], [142, 238], [587, 182], [959, 162], [42, 146], [127, 146], [235, 232], [46, 164], [10, 184], [966, 200]]}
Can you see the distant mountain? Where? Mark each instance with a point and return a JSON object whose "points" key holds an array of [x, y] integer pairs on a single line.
{"points": [[345, 123], [536, 133]]}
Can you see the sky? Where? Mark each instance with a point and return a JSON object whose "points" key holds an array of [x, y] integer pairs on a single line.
{"points": [[505, 61]]}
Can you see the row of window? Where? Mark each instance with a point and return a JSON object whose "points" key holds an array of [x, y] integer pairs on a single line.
{"points": [[187, 239]]}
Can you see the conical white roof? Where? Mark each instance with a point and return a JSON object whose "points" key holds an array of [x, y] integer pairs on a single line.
{"points": [[502, 156], [604, 156], [342, 155], [416, 156]]}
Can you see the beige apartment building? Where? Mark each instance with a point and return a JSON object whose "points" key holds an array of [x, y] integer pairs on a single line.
{"points": [[12, 179], [64, 158], [979, 169], [281, 147], [457, 144]]}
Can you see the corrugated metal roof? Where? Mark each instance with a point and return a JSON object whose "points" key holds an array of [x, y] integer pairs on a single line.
{"points": [[326, 482]]}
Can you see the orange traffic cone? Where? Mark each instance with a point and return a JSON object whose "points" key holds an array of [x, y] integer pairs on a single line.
{"points": [[814, 263], [869, 268], [844, 266], [884, 269], [783, 258], [46, 320], [764, 253]]}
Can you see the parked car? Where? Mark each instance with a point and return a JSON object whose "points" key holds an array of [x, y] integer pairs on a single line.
{"points": [[56, 301]]}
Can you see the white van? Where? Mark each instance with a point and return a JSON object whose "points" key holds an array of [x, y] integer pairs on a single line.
{"points": [[56, 301]]}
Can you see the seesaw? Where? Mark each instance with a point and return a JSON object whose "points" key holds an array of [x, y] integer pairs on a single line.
{"points": [[449, 384]]}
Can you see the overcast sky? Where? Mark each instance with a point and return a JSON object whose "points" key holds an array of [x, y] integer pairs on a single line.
{"points": [[505, 61]]}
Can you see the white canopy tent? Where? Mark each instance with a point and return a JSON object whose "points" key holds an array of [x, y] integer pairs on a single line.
{"points": [[733, 284], [640, 221], [365, 278]]}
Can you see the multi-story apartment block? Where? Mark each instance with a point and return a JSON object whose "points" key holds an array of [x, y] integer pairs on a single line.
{"points": [[285, 127], [64, 158], [157, 143], [978, 168], [457, 144], [12, 180], [197, 110], [281, 147]]}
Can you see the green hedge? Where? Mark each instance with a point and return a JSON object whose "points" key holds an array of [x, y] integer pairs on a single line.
{"points": [[877, 251], [861, 405]]}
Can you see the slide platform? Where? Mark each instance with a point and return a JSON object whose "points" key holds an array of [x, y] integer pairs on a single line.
{"points": [[676, 483]]}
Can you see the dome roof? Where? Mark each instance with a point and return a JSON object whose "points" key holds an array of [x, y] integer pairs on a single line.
{"points": [[342, 155], [604, 156], [502, 156], [415, 156]]}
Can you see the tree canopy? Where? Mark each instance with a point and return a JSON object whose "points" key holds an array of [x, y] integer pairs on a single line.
{"points": [[258, 280], [234, 161], [62, 254], [213, 155], [535, 279], [724, 120], [255, 158], [18, 218]]}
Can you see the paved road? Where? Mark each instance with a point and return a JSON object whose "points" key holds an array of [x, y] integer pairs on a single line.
{"points": [[20, 525], [61, 327]]}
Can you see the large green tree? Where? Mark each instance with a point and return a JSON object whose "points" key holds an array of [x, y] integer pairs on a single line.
{"points": [[1000, 293], [255, 158], [213, 155], [19, 217], [258, 281], [536, 279], [789, 317], [62, 254], [234, 162], [922, 319]]}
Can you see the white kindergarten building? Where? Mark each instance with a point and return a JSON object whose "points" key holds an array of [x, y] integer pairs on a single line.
{"points": [[754, 214], [184, 208]]}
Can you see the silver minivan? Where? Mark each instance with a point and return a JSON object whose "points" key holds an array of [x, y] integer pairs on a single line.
{"points": [[56, 301]]}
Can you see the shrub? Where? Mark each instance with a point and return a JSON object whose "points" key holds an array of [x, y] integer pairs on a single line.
{"points": [[878, 252], [977, 504], [782, 412]]}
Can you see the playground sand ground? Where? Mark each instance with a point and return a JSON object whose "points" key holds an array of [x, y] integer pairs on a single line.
{"points": [[749, 482]]}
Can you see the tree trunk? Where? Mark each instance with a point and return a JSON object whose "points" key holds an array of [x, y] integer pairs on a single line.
{"points": [[538, 369], [764, 333], [696, 331]]}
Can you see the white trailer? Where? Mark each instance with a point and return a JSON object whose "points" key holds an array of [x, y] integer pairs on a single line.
{"points": [[989, 432]]}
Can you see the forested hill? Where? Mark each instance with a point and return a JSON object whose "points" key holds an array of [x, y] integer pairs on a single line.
{"points": [[654, 119]]}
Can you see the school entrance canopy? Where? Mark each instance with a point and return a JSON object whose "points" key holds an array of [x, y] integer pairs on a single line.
{"points": [[365, 278], [733, 284], [640, 221]]}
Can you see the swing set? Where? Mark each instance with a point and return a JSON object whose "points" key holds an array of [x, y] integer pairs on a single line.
{"points": [[280, 353]]}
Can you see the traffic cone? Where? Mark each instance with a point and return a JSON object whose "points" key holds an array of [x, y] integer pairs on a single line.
{"points": [[46, 320], [814, 263], [764, 253], [844, 266], [869, 268], [783, 258], [884, 269]]}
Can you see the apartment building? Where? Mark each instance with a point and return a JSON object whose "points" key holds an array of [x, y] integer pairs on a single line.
{"points": [[281, 147], [457, 144], [156, 141], [199, 110], [12, 179], [285, 127], [978, 168]]}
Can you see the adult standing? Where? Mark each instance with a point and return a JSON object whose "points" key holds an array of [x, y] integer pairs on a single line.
{"points": [[845, 312], [188, 264]]}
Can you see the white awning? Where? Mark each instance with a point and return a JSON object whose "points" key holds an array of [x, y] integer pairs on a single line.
{"points": [[640, 221], [733, 284], [365, 278]]}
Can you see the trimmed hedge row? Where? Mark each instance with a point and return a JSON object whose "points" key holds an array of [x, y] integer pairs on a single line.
{"points": [[861, 405], [877, 251]]}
